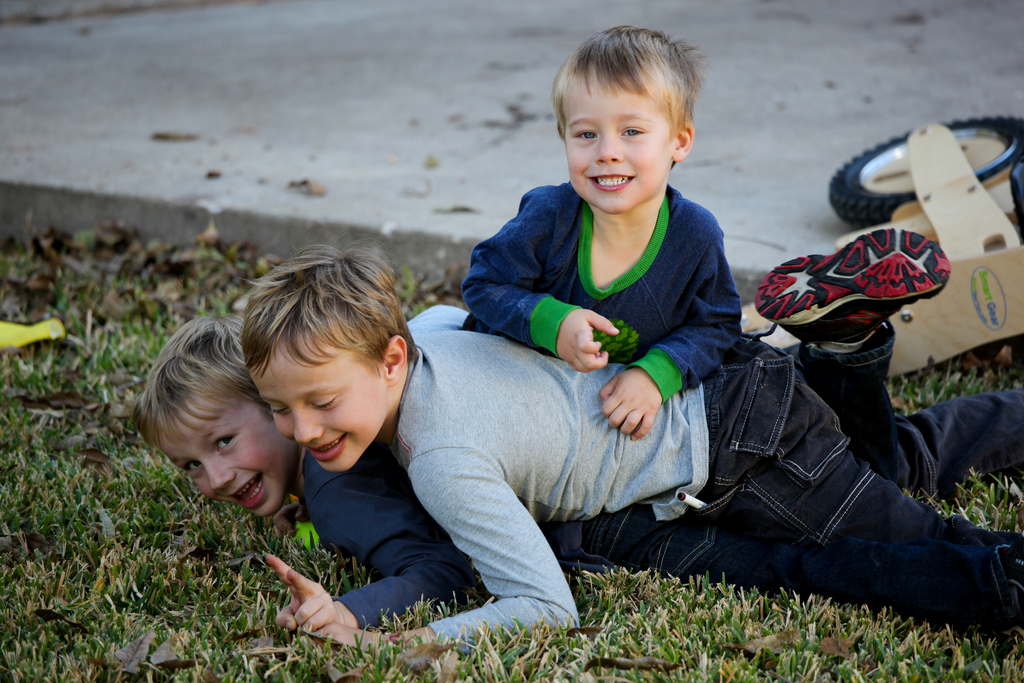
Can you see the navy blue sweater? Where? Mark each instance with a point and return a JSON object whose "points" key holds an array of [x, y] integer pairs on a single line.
{"points": [[371, 513], [677, 310]]}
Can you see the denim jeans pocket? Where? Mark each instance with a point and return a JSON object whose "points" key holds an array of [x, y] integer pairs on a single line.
{"points": [[807, 472], [755, 407], [812, 445], [765, 409]]}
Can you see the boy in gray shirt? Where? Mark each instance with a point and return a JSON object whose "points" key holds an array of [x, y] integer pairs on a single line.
{"points": [[497, 438]]}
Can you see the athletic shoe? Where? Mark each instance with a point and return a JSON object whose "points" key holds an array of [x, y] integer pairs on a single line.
{"points": [[845, 296]]}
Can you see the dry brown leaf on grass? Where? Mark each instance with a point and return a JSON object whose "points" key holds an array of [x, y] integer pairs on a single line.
{"points": [[112, 307], [449, 667], [244, 635], [350, 676], [135, 652], [50, 615], [642, 663], [119, 410], [773, 642], [19, 545], [423, 655], [322, 639], [839, 647], [40, 282], [264, 647], [210, 237], [36, 542], [95, 459], [243, 558], [62, 399], [585, 631], [205, 555], [310, 187], [163, 657], [1015, 491], [1004, 358], [969, 361], [169, 291], [261, 642], [8, 547]]}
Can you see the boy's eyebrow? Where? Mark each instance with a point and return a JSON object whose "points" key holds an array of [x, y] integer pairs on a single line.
{"points": [[207, 429], [630, 116]]}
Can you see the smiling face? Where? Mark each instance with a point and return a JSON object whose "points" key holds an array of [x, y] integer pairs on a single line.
{"points": [[620, 148], [236, 456], [338, 406]]}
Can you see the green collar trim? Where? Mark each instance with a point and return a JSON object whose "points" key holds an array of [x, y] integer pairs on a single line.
{"points": [[634, 273]]}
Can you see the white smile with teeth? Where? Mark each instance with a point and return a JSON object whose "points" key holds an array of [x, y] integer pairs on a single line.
{"points": [[251, 489], [613, 180], [327, 447]]}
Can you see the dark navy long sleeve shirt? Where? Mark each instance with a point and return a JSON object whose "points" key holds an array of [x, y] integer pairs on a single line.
{"points": [[677, 310]]}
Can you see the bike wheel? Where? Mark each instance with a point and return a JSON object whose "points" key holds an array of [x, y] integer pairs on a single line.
{"points": [[872, 185]]}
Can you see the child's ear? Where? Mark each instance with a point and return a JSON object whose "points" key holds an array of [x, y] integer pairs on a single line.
{"points": [[683, 144], [395, 356]]}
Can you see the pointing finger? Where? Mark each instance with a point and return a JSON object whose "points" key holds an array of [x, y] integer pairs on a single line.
{"points": [[302, 587]]}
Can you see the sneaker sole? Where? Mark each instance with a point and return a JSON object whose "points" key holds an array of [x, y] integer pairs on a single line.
{"points": [[885, 268]]}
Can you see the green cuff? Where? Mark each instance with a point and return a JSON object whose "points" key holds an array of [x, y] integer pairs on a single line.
{"points": [[663, 370], [545, 320]]}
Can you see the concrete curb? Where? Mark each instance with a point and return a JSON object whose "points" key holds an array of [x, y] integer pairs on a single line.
{"points": [[35, 207]]}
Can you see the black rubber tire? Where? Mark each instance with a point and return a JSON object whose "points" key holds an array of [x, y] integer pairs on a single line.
{"points": [[863, 208], [1017, 190]]}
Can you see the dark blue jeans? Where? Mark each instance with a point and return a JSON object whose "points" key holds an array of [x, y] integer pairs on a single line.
{"points": [[853, 385], [942, 582], [930, 452], [780, 468]]}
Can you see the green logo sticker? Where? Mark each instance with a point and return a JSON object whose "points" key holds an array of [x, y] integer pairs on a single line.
{"points": [[621, 347], [988, 297]]}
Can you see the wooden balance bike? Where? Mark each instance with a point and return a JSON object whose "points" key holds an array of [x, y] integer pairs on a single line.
{"points": [[974, 218]]}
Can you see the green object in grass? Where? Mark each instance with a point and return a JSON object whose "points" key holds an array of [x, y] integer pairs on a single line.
{"points": [[305, 532]]}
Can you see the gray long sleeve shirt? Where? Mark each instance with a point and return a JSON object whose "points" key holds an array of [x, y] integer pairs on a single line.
{"points": [[497, 437]]}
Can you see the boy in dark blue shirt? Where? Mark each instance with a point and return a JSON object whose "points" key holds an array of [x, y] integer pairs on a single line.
{"points": [[616, 266]]}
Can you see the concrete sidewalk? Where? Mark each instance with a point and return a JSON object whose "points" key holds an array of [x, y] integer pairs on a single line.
{"points": [[425, 122]]}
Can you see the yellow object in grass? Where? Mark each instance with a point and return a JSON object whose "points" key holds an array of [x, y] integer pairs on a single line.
{"points": [[305, 532], [16, 334]]}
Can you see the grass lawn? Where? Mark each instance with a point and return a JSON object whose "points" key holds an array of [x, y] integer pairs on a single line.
{"points": [[115, 568]]}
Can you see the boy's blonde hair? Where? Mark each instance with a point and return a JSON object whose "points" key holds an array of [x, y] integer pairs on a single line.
{"points": [[202, 361], [321, 299], [642, 61]]}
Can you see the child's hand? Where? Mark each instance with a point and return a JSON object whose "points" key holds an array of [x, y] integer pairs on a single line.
{"points": [[312, 608], [631, 400], [287, 516], [575, 342]]}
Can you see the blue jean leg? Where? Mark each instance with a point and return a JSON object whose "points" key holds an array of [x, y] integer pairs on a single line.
{"points": [[853, 385], [940, 446], [797, 481], [780, 468], [933, 580], [931, 451]]}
